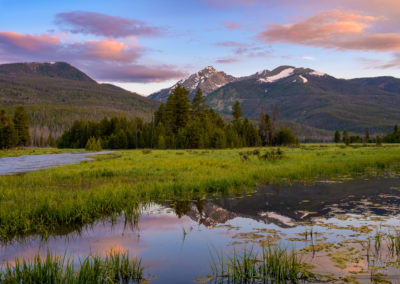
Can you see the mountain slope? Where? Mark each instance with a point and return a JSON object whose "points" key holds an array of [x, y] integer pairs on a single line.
{"points": [[55, 88], [207, 80], [312, 98]]}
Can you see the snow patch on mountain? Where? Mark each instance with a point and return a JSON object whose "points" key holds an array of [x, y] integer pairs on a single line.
{"points": [[317, 73], [283, 74], [305, 80]]}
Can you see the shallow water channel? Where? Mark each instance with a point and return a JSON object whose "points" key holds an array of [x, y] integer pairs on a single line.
{"points": [[29, 163], [174, 240]]}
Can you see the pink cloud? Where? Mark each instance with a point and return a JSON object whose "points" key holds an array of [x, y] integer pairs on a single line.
{"points": [[394, 62], [232, 44], [135, 73], [231, 25], [333, 29], [27, 41], [52, 48], [106, 60], [227, 60], [111, 50], [104, 25], [230, 3]]}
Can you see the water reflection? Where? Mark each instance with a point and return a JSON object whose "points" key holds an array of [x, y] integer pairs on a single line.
{"points": [[174, 239]]}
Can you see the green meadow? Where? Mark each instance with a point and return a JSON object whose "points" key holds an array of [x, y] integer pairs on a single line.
{"points": [[65, 198]]}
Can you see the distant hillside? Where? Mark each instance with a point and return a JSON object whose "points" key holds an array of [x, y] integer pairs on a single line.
{"points": [[303, 96], [55, 94], [312, 98]]}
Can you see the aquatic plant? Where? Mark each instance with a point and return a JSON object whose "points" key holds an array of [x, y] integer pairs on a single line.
{"points": [[393, 243], [271, 264], [114, 268]]}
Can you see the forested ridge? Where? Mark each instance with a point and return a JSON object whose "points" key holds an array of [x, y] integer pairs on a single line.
{"points": [[179, 123]]}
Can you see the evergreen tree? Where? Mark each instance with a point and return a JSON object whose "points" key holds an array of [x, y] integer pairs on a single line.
{"points": [[177, 124], [337, 136], [51, 141], [265, 130], [177, 109], [21, 124], [346, 138], [161, 142], [198, 105], [396, 128], [366, 138], [237, 111], [8, 134], [378, 141]]}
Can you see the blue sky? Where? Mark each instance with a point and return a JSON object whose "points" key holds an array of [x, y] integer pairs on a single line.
{"points": [[145, 45]]}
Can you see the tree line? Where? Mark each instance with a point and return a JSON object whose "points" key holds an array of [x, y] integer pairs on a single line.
{"points": [[180, 123], [392, 137], [14, 130]]}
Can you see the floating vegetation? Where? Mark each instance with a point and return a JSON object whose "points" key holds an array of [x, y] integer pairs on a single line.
{"points": [[114, 268]]}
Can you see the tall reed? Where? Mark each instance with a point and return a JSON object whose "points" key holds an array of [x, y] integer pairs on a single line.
{"points": [[271, 264], [114, 268]]}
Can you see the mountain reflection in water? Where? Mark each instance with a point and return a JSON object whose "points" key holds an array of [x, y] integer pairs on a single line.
{"points": [[174, 239]]}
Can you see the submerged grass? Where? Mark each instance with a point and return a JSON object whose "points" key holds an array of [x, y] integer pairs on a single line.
{"points": [[273, 264], [51, 200], [114, 268]]}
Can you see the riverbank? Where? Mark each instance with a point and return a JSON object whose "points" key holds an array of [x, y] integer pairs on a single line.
{"points": [[15, 152], [66, 198]]}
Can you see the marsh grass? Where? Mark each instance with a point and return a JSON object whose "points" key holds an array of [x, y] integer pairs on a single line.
{"points": [[53, 200], [393, 243], [271, 264], [114, 268], [35, 151]]}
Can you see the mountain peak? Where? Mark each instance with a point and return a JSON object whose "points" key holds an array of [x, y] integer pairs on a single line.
{"points": [[209, 69], [208, 80]]}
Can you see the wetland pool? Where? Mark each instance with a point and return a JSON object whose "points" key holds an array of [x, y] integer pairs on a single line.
{"points": [[334, 226]]}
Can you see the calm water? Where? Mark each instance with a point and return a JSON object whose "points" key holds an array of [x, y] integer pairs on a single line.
{"points": [[174, 239], [28, 163]]}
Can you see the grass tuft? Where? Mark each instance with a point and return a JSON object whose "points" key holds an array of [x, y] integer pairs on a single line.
{"points": [[114, 268]]}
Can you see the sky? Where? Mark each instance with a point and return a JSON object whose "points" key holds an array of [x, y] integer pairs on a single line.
{"points": [[147, 45]]}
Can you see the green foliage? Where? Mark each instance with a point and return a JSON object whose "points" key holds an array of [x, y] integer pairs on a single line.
{"points": [[285, 137], [21, 125], [177, 109], [237, 111], [337, 136], [273, 264], [66, 198], [114, 268], [178, 124], [393, 137], [265, 129], [14, 132], [93, 144], [198, 105], [378, 141], [366, 138], [346, 137]]}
